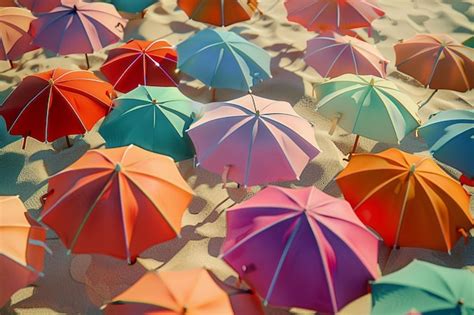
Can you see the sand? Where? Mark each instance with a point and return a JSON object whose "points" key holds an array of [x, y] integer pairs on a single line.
{"points": [[80, 284]]}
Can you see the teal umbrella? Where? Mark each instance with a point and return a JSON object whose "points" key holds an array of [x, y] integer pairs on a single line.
{"points": [[223, 59], [131, 6], [469, 42], [367, 106], [425, 288], [154, 118]]}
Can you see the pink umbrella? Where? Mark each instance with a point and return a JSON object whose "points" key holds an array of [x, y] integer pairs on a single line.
{"points": [[78, 27], [253, 141], [39, 6], [301, 248], [332, 55], [323, 15]]}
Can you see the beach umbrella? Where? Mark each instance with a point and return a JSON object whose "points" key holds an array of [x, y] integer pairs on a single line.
{"points": [[140, 62], [14, 37], [116, 202], [450, 136], [469, 42], [22, 247], [253, 141], [135, 6], [282, 240], [437, 61], [191, 291], [407, 199], [56, 103], [425, 287], [39, 6], [332, 55], [78, 27], [154, 118], [323, 15], [367, 106], [219, 12], [223, 59]]}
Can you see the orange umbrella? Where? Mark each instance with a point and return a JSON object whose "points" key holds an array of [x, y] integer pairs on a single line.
{"points": [[116, 202], [21, 247], [219, 12], [183, 292], [438, 61], [409, 200], [14, 37]]}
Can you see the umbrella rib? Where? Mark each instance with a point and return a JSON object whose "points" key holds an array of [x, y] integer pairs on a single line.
{"points": [[236, 55], [83, 22], [162, 70], [161, 179], [356, 67], [72, 107], [250, 147], [125, 153], [313, 20], [335, 60], [127, 238], [437, 59], [421, 52], [288, 244], [198, 52], [402, 212], [324, 48], [48, 104], [463, 75], [126, 70], [218, 63]]}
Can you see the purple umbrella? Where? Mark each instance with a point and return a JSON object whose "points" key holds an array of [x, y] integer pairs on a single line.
{"points": [[301, 248]]}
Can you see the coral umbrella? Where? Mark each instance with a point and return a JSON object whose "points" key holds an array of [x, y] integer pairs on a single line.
{"points": [[22, 247], [135, 6], [426, 287], [323, 15], [438, 61], [368, 106], [116, 202], [154, 118], [56, 103], [282, 240], [78, 27], [222, 59], [253, 141], [140, 62], [450, 136], [393, 192], [39, 6], [219, 12], [14, 37], [332, 55], [191, 291]]}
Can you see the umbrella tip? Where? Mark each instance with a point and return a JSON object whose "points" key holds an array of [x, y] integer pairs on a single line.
{"points": [[118, 167], [372, 82], [412, 168]]}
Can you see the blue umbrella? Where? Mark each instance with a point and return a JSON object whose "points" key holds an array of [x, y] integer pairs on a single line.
{"points": [[450, 136], [132, 6], [223, 59]]}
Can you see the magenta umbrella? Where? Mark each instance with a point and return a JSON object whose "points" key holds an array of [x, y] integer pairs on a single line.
{"points": [[253, 141], [301, 248], [78, 27], [332, 55], [39, 6]]}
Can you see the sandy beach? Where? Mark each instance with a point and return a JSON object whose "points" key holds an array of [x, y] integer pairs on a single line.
{"points": [[80, 284]]}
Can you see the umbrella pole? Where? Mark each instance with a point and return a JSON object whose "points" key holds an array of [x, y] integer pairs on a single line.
{"points": [[87, 62], [23, 146], [213, 94], [354, 147], [428, 99], [11, 64], [67, 141]]}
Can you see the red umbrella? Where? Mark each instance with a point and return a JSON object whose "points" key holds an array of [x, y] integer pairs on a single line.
{"points": [[56, 103], [140, 62], [39, 6]]}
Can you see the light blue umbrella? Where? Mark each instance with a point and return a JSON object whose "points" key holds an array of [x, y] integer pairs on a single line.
{"points": [[450, 136], [132, 6], [223, 59]]}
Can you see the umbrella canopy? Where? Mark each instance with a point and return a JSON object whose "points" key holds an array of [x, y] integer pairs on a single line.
{"points": [[140, 62], [14, 37], [56, 103], [393, 191], [154, 118], [116, 202], [450, 136], [219, 12], [253, 141], [78, 27], [22, 247], [469, 42], [368, 106], [180, 292], [437, 61], [321, 15], [332, 55], [39, 6], [425, 287], [222, 59], [282, 240], [134, 6]]}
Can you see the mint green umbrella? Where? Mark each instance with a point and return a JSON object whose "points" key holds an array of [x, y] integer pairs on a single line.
{"points": [[425, 288], [469, 42], [367, 106], [154, 118], [131, 6]]}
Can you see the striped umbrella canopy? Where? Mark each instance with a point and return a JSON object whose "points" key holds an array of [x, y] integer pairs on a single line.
{"points": [[332, 55], [223, 59]]}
